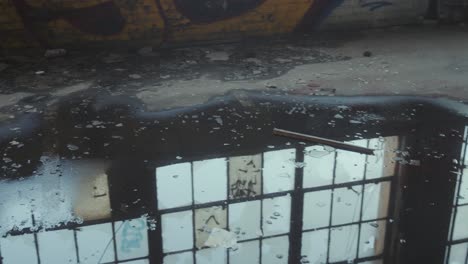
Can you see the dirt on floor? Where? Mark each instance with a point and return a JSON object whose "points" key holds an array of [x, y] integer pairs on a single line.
{"points": [[425, 60]]}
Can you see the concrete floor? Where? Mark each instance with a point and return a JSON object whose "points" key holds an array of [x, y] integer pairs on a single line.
{"points": [[78, 115], [426, 60]]}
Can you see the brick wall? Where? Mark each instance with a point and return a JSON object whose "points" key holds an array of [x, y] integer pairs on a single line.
{"points": [[59, 23]]}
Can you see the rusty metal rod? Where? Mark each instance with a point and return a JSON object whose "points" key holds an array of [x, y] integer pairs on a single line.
{"points": [[324, 141]]}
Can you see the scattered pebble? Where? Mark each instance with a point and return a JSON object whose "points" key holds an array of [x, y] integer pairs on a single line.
{"points": [[355, 122], [253, 60], [281, 60], [218, 56], [113, 58], [147, 51], [72, 147], [52, 53], [135, 76]]}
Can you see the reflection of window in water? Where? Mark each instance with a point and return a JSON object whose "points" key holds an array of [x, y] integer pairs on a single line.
{"points": [[245, 176], [457, 248], [59, 191], [345, 200], [242, 209], [66, 192]]}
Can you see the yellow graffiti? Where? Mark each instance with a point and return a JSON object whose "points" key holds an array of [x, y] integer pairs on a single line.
{"points": [[10, 22], [271, 17], [150, 21], [61, 4], [143, 22]]}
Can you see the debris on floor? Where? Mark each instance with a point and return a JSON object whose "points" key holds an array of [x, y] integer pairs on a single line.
{"points": [[52, 53], [367, 54], [113, 58], [135, 76], [147, 51], [218, 56]]}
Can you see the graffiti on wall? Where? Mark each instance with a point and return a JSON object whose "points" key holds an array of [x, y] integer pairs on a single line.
{"points": [[56, 21], [98, 18], [206, 11], [62, 21], [132, 235], [318, 13]]}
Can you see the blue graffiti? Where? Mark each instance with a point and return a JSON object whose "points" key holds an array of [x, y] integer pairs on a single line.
{"points": [[374, 5], [132, 235], [322, 9], [317, 13]]}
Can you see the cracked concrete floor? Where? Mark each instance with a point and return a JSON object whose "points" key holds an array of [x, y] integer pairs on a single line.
{"points": [[426, 60]]}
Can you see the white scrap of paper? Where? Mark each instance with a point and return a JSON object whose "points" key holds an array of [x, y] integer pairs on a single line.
{"points": [[221, 238]]}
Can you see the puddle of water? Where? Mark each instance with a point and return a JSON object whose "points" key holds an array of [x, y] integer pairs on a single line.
{"points": [[106, 182]]}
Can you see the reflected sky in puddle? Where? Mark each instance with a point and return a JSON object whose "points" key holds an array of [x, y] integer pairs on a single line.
{"points": [[60, 191], [214, 186], [234, 207], [251, 197]]}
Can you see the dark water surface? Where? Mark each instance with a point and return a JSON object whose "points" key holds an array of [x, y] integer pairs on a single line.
{"points": [[97, 179]]}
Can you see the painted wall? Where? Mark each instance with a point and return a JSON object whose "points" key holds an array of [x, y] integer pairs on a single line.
{"points": [[56, 23]]}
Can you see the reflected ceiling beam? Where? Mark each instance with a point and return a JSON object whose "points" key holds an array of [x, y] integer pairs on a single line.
{"points": [[324, 141]]}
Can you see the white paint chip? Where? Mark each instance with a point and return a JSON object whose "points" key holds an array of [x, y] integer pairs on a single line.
{"points": [[72, 89], [221, 238]]}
